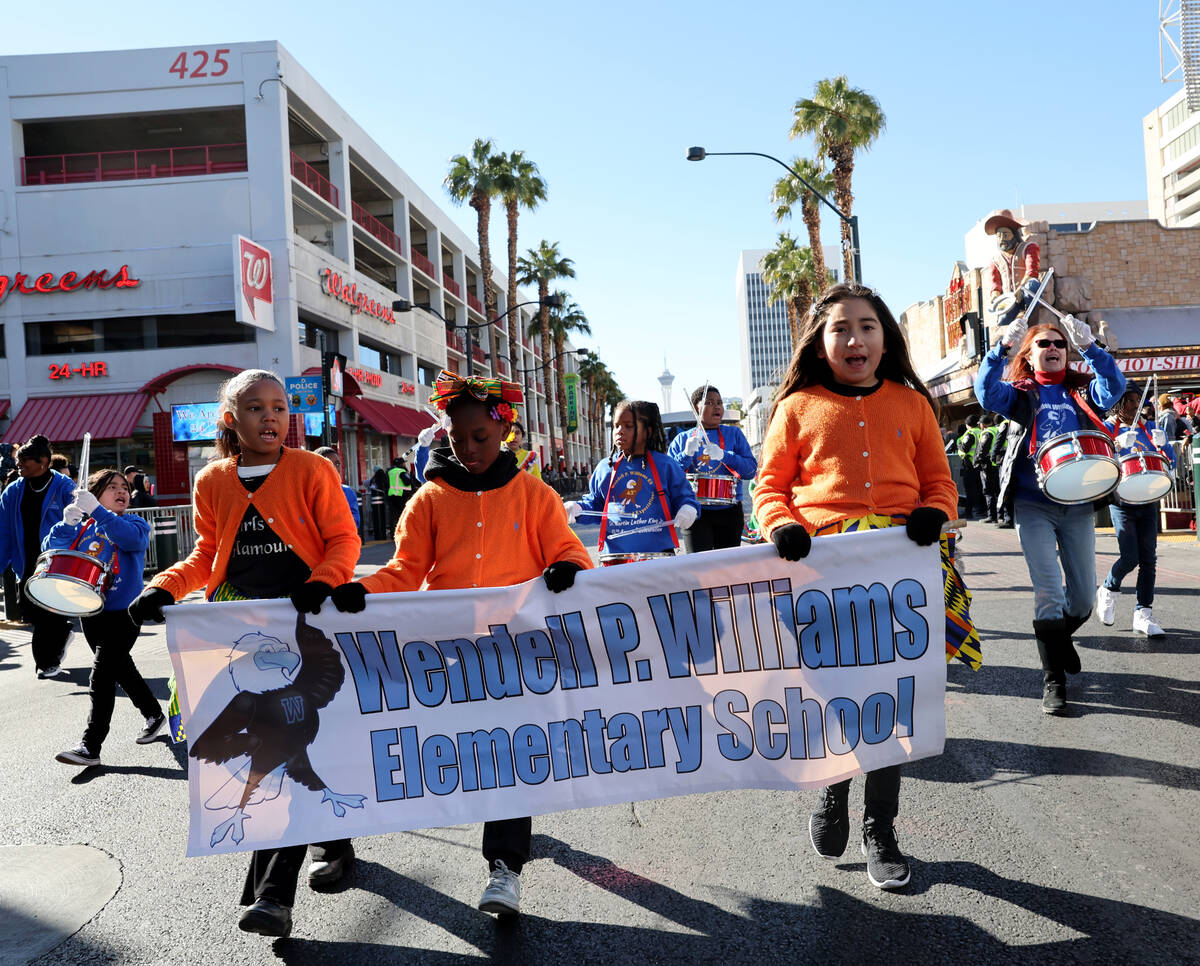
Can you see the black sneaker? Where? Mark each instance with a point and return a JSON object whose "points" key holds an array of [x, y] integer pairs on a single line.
{"points": [[153, 726], [267, 918], [887, 868], [78, 756], [1054, 698], [829, 826]]}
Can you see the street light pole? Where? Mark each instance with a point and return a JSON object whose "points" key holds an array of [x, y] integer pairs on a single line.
{"points": [[699, 154]]}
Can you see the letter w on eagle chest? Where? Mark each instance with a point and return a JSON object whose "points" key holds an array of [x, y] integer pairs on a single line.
{"points": [[293, 708]]}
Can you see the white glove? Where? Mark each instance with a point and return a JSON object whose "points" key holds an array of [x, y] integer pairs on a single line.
{"points": [[1080, 333], [1158, 438], [692, 447], [425, 436], [73, 514], [85, 501], [573, 510], [685, 516], [1126, 439], [715, 453], [1014, 332]]}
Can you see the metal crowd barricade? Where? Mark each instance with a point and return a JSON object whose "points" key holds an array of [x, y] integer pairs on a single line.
{"points": [[172, 535], [1178, 507]]}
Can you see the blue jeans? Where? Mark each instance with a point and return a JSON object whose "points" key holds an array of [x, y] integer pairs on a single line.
{"points": [[1137, 543], [1050, 533]]}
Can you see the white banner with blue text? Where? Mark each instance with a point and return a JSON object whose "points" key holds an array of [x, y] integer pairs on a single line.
{"points": [[721, 670]]}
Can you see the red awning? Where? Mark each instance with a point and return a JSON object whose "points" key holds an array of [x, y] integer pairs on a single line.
{"points": [[387, 417], [65, 418], [4, 404], [159, 383]]}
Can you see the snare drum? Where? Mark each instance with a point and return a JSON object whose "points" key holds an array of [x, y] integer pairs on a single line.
{"points": [[1077, 467], [714, 490], [615, 559], [68, 582], [1145, 478]]}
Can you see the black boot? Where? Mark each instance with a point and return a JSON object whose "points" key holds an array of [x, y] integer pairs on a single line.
{"points": [[1071, 656], [1049, 636]]}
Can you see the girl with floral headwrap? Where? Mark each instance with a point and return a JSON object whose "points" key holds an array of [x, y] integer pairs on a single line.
{"points": [[479, 522]]}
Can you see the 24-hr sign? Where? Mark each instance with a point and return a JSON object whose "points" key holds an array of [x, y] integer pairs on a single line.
{"points": [[252, 300]]}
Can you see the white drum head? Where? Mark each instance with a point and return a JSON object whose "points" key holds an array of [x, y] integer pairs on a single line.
{"points": [[1082, 480], [63, 595], [1146, 487]]}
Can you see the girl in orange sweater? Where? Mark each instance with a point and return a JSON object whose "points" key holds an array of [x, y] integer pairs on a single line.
{"points": [[853, 443], [270, 522], [479, 522]]}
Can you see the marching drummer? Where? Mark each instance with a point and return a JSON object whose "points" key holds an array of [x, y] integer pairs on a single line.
{"points": [[1136, 523], [716, 461], [639, 493], [1044, 398]]}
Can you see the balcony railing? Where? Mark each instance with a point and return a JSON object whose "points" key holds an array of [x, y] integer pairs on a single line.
{"points": [[456, 342], [424, 264], [474, 303], [376, 227], [478, 354], [185, 162], [503, 366], [451, 285], [316, 182]]}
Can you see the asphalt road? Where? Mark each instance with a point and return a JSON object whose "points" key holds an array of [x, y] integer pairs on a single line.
{"points": [[1033, 839]]}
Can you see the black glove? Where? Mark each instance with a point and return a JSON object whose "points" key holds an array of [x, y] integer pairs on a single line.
{"points": [[349, 598], [560, 575], [925, 525], [149, 605], [792, 541], [308, 598]]}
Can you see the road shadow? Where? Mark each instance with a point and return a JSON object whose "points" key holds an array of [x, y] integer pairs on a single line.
{"points": [[105, 770], [1004, 762], [835, 927]]}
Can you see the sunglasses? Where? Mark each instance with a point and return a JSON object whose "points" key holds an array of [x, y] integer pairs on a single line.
{"points": [[1047, 343]]}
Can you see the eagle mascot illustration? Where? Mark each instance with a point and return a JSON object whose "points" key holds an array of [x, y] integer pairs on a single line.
{"points": [[271, 721]]}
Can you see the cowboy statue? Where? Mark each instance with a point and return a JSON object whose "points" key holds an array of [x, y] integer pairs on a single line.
{"points": [[1016, 262]]}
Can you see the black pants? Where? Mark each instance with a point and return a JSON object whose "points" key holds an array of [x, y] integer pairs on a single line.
{"points": [[508, 840], [395, 510], [974, 490], [989, 477], [714, 529], [110, 635], [881, 799], [50, 632], [273, 872]]}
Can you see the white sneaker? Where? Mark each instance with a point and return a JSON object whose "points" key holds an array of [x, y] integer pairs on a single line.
{"points": [[1106, 605], [1144, 623], [503, 893]]}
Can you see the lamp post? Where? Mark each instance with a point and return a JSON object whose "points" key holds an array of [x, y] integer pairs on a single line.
{"points": [[555, 358], [699, 154]]}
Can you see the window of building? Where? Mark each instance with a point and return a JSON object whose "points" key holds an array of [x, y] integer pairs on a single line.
{"points": [[1176, 115], [427, 372], [318, 337], [379, 357], [129, 333], [1182, 144]]}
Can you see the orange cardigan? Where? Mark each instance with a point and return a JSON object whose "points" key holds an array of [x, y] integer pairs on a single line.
{"points": [[828, 457], [450, 538], [301, 500]]}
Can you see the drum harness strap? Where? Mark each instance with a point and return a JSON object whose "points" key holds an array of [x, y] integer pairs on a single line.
{"points": [[1082, 404], [116, 563], [722, 465], [662, 499]]}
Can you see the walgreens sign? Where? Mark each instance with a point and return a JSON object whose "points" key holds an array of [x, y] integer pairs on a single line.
{"points": [[47, 284], [341, 288]]}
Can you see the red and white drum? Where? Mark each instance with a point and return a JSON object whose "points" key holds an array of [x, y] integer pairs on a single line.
{"points": [[1145, 478], [615, 559], [68, 582], [714, 490], [1077, 467]]}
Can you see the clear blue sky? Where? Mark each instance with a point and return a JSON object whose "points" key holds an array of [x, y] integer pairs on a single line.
{"points": [[606, 98]]}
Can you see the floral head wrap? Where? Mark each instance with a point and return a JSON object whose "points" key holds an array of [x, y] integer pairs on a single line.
{"points": [[499, 392]]}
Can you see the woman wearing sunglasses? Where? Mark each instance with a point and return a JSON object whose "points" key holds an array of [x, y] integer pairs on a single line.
{"points": [[1043, 398]]}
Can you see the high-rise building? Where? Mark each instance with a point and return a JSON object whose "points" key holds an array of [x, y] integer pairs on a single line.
{"points": [[1172, 138], [666, 381], [766, 344]]}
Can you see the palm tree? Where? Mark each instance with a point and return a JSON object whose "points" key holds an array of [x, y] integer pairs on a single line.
{"points": [[843, 119], [472, 178], [788, 269], [563, 321], [602, 386], [541, 266], [521, 186], [788, 190]]}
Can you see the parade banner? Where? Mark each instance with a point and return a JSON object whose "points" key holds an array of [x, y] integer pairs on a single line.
{"points": [[722, 670], [571, 384]]}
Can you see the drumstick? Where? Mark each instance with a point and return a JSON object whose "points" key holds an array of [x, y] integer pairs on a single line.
{"points": [[84, 456]]}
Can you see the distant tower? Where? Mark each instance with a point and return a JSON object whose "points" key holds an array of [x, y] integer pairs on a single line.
{"points": [[666, 380]]}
